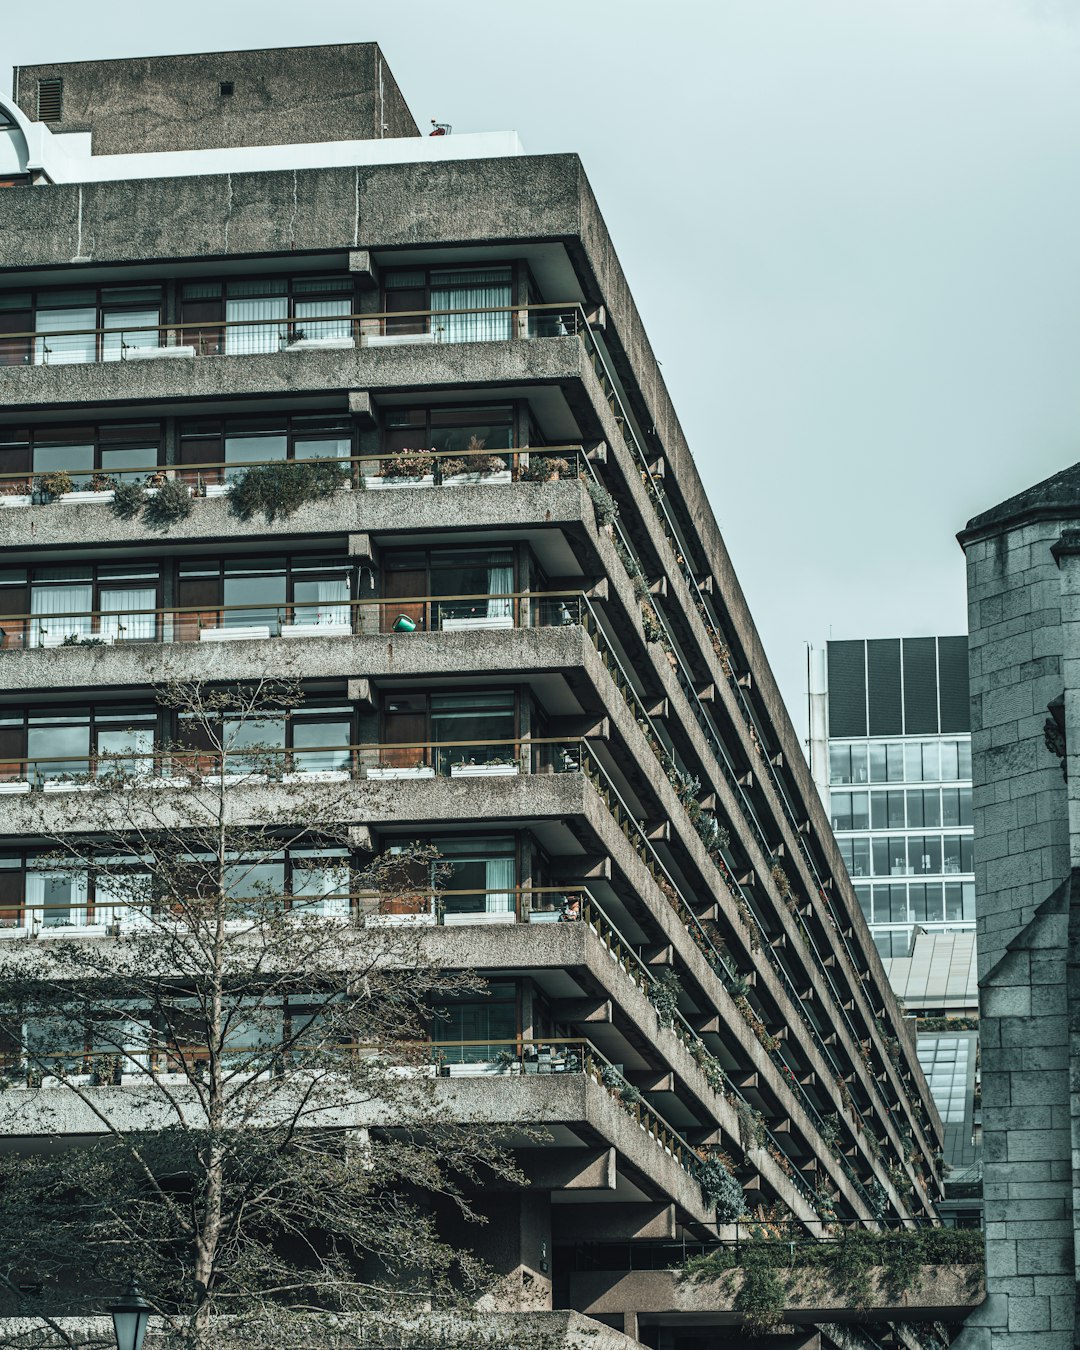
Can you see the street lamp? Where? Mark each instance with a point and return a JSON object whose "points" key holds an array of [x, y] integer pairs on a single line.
{"points": [[130, 1314]]}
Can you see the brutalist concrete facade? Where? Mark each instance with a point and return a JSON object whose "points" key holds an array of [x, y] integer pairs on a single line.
{"points": [[628, 641], [1022, 585]]}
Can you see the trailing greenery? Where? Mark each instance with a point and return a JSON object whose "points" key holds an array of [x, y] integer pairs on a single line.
{"points": [[948, 1024], [280, 489], [169, 505], [846, 1265], [603, 502], [721, 1188], [129, 498], [664, 996]]}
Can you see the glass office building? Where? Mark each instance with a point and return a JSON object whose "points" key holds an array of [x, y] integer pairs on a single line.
{"points": [[894, 768]]}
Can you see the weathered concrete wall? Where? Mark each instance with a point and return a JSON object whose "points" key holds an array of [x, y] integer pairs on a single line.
{"points": [[281, 96]]}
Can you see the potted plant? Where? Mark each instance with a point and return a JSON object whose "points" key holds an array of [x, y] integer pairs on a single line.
{"points": [[477, 465], [406, 468], [545, 468], [15, 492], [53, 485]]}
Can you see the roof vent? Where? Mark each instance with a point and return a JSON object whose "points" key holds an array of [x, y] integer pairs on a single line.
{"points": [[50, 100]]}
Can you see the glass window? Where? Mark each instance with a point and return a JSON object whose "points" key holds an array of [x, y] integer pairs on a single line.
{"points": [[877, 762], [894, 756], [856, 856], [963, 749], [839, 763], [931, 758], [863, 894], [953, 854], [860, 810], [968, 898], [840, 803], [879, 810], [924, 851], [484, 1020], [913, 762], [859, 772], [950, 761], [966, 817], [954, 900]]}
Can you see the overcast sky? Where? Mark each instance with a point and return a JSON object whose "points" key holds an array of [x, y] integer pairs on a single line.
{"points": [[851, 227]]}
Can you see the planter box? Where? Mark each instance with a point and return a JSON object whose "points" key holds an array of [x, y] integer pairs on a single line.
{"points": [[426, 771], [478, 621], [481, 917], [326, 343], [13, 500], [467, 479], [157, 353], [428, 480], [57, 640], [252, 634], [312, 630], [19, 785], [217, 489], [58, 785], [484, 770], [396, 339], [426, 920], [318, 776], [98, 497]]}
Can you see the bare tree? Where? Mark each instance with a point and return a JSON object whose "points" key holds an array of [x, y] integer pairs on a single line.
{"points": [[243, 1062]]}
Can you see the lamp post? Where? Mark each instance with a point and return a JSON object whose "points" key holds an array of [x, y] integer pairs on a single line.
{"points": [[130, 1314]]}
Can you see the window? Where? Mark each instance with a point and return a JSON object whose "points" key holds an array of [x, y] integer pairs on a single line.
{"points": [[206, 444], [856, 856], [250, 315], [310, 739], [264, 593], [76, 326], [123, 451], [483, 878], [468, 1029], [448, 430], [102, 602], [467, 304], [481, 579], [52, 743]]}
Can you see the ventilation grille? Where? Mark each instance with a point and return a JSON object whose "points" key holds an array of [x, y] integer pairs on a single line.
{"points": [[50, 100]]}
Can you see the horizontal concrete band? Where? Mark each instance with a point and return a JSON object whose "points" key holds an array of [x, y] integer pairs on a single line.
{"points": [[939, 1293], [562, 1103]]}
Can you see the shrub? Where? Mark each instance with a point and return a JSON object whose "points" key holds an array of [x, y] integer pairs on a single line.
{"points": [[477, 459], [128, 499], [664, 996], [171, 504], [99, 482], [721, 1190], [603, 502], [408, 464], [281, 489], [544, 468], [53, 484]]}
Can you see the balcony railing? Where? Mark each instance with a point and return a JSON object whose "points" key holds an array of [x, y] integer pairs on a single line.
{"points": [[397, 614], [256, 337], [391, 469]]}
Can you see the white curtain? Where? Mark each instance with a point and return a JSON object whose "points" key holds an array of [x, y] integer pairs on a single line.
{"points": [[61, 610], [56, 898], [333, 314], [333, 603], [66, 348], [500, 583], [256, 337], [120, 336], [120, 619], [450, 291], [499, 883]]}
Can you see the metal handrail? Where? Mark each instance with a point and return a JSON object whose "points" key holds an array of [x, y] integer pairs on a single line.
{"points": [[294, 322], [178, 471]]}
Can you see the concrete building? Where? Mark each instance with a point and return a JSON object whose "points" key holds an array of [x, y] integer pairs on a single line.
{"points": [[890, 751], [197, 274], [1023, 566]]}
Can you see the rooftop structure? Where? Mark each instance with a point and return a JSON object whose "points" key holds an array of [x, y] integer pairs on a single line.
{"points": [[517, 626]]}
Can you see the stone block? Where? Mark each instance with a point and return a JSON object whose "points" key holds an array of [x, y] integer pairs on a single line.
{"points": [[1038, 1090], [1044, 1256], [1014, 1001], [1034, 1146], [1054, 1285], [1049, 1208], [1062, 1312], [1045, 1056], [1048, 1000], [1000, 1258], [1029, 1314]]}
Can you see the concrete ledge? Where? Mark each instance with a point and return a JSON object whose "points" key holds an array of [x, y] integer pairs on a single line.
{"points": [[940, 1293]]}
